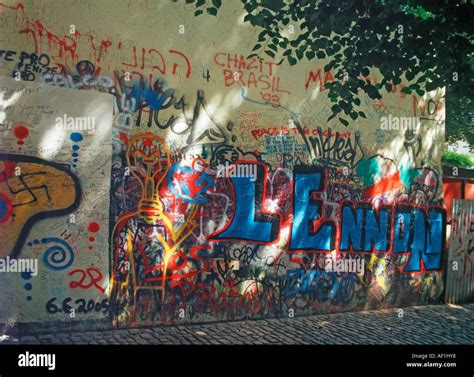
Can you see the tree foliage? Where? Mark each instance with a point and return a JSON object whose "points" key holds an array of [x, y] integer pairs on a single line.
{"points": [[427, 43]]}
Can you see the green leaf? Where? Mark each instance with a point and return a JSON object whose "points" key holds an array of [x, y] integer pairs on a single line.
{"points": [[217, 3], [270, 53], [189, 1], [362, 114], [198, 12], [344, 122], [336, 108], [431, 86], [294, 43], [420, 92], [212, 11], [256, 47], [299, 54], [372, 92], [283, 43], [347, 107], [406, 90], [287, 52], [261, 36], [292, 60], [310, 54]]}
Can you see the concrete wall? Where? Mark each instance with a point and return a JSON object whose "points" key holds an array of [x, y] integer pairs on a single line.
{"points": [[220, 166]]}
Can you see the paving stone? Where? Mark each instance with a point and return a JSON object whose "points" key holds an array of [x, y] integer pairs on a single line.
{"points": [[26, 339], [433, 324]]}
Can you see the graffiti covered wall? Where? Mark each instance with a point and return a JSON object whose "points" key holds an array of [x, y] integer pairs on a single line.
{"points": [[54, 186], [231, 194]]}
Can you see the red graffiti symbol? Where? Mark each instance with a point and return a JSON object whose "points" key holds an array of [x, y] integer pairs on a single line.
{"points": [[390, 183], [94, 275], [191, 180], [21, 132], [7, 168], [198, 164], [94, 227], [123, 136]]}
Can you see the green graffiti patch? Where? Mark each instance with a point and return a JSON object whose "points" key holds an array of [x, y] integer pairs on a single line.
{"points": [[367, 169]]}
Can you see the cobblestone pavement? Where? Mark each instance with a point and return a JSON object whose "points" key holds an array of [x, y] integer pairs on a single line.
{"points": [[433, 324]]}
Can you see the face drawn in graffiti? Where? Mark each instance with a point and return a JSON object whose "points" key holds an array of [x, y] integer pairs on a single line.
{"points": [[32, 189], [148, 159], [222, 155]]}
